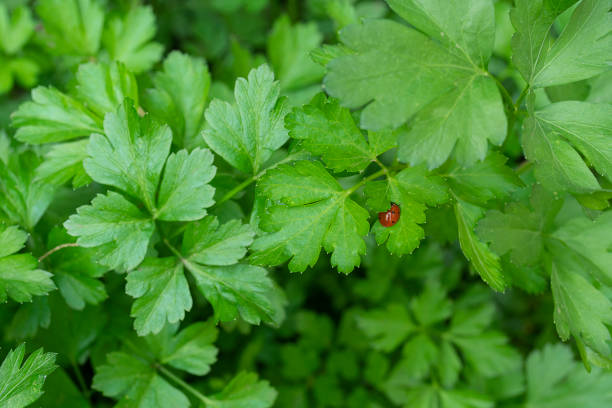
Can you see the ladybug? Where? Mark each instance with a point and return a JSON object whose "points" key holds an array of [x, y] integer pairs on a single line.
{"points": [[390, 217]]}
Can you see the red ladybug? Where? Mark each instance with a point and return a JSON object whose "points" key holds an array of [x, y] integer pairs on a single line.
{"points": [[389, 218]]}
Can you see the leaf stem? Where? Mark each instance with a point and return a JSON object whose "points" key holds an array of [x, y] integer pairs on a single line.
{"points": [[77, 371], [247, 182], [522, 96], [504, 93], [187, 387], [363, 181], [57, 248]]}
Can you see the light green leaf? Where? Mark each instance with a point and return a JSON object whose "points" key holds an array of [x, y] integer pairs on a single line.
{"points": [[21, 384], [480, 256], [128, 39], [401, 74], [73, 27], [180, 96], [210, 244], [162, 294], [467, 26], [586, 126], [320, 214], [573, 294], [289, 47], [240, 290], [19, 277], [557, 165], [184, 192], [131, 155], [136, 384], [488, 353], [103, 87], [192, 349], [63, 162], [555, 380], [245, 390], [16, 30], [52, 116], [119, 230], [246, 133], [583, 48]]}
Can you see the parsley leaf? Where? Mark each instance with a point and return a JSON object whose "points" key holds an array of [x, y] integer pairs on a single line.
{"points": [[456, 106], [324, 128], [116, 226], [73, 27], [321, 215], [179, 96], [556, 136], [19, 277], [247, 132], [245, 390], [288, 48], [555, 379], [128, 39], [162, 294], [131, 155], [21, 384], [135, 383], [411, 189]]}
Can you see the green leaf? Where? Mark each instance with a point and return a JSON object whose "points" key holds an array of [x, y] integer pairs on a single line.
{"points": [[21, 384], [162, 294], [568, 59], [136, 384], [573, 294], [75, 272], [180, 95], [519, 230], [480, 256], [486, 180], [240, 290], [103, 87], [387, 328], [246, 133], [192, 349], [586, 126], [431, 306], [64, 162], [326, 129], [554, 379], [245, 390], [128, 39], [131, 155], [19, 278], [314, 212], [73, 27], [411, 189], [289, 47], [557, 165], [16, 30], [119, 230], [184, 192], [24, 199], [488, 353], [472, 39], [52, 116], [207, 243], [399, 73]]}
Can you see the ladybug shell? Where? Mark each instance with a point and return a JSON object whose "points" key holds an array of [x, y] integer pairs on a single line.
{"points": [[390, 217]]}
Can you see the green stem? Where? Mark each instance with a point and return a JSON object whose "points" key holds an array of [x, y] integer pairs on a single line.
{"points": [[372, 176], [230, 194], [505, 93], [80, 379], [523, 167], [57, 248], [184, 385], [522, 96]]}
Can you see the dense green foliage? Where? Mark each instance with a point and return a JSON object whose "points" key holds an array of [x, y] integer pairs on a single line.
{"points": [[166, 168]]}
